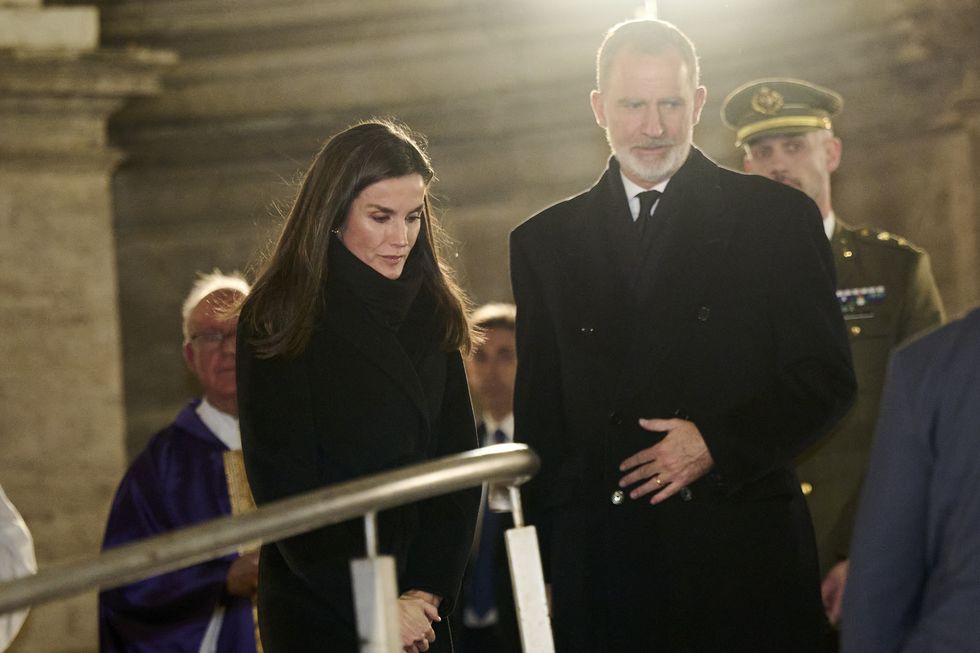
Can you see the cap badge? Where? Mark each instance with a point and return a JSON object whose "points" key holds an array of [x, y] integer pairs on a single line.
{"points": [[767, 101]]}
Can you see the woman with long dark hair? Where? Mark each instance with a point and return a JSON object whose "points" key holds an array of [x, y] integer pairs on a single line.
{"points": [[349, 363]]}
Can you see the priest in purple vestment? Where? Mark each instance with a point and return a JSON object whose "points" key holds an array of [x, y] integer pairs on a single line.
{"points": [[179, 480]]}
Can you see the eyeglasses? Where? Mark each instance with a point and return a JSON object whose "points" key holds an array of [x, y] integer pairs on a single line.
{"points": [[212, 340]]}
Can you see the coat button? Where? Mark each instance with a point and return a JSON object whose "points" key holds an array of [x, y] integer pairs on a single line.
{"points": [[617, 497], [615, 418], [685, 494], [806, 488], [703, 313], [855, 330]]}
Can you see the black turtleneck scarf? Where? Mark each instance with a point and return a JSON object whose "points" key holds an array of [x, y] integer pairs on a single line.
{"points": [[387, 300]]}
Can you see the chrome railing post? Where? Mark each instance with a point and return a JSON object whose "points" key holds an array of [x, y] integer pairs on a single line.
{"points": [[516, 511], [375, 595], [527, 578]]}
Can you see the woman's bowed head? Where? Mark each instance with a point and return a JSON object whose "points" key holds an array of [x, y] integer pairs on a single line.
{"points": [[368, 187]]}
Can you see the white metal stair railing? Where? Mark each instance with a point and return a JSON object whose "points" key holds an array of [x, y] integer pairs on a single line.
{"points": [[376, 586], [527, 577], [374, 582]]}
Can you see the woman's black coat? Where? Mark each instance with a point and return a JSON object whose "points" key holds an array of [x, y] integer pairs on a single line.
{"points": [[360, 399]]}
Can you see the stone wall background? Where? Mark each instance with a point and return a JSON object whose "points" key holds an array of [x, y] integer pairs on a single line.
{"points": [[95, 258]]}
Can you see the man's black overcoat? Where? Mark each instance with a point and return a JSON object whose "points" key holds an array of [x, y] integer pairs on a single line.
{"points": [[730, 320]]}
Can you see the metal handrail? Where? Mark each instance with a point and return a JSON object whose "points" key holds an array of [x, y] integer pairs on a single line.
{"points": [[501, 463]]}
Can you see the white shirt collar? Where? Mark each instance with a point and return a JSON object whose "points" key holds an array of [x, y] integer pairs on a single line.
{"points": [[506, 425], [223, 425], [828, 225], [632, 190]]}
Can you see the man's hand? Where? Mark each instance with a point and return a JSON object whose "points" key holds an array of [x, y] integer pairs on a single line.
{"points": [[417, 610], [675, 462], [243, 575], [832, 590]]}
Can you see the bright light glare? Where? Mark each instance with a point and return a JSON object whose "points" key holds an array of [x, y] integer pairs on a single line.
{"points": [[648, 10]]}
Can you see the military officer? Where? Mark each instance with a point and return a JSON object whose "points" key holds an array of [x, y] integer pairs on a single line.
{"points": [[885, 287]]}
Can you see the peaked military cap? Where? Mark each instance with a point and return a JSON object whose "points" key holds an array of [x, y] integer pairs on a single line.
{"points": [[778, 105]]}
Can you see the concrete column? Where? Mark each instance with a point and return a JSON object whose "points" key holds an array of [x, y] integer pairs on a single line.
{"points": [[966, 104], [61, 409]]}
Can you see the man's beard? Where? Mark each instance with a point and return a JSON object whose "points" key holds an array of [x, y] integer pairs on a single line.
{"points": [[655, 171]]}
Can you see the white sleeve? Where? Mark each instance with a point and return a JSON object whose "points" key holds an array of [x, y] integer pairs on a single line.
{"points": [[16, 559]]}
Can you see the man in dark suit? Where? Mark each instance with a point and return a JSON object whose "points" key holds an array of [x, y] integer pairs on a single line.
{"points": [[489, 621], [884, 284], [676, 351], [914, 582]]}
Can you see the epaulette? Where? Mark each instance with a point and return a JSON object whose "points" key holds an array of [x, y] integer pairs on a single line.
{"points": [[886, 238]]}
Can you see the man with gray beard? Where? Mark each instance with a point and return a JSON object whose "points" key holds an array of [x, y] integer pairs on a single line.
{"points": [[679, 343]]}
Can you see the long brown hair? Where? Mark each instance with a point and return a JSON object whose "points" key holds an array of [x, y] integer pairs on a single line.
{"points": [[285, 301]]}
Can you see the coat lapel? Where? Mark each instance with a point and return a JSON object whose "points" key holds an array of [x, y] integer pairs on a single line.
{"points": [[598, 283], [349, 320], [677, 269]]}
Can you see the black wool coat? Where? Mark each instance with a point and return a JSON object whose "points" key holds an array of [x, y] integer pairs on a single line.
{"points": [[359, 400], [729, 319]]}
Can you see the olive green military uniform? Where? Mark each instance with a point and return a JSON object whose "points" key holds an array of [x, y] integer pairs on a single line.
{"points": [[887, 294]]}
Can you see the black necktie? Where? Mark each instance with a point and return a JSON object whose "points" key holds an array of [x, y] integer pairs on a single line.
{"points": [[647, 199]]}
